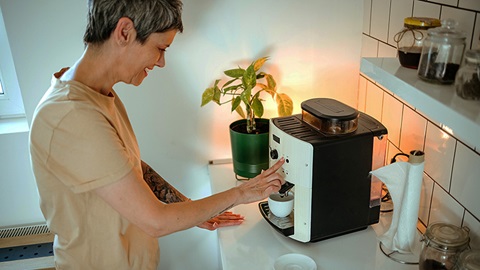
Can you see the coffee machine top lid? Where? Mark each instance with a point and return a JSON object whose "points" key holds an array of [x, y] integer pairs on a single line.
{"points": [[330, 116], [329, 109]]}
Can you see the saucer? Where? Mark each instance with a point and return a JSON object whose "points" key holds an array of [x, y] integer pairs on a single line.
{"points": [[294, 261]]}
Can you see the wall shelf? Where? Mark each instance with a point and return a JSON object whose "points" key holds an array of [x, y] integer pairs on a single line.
{"points": [[439, 103]]}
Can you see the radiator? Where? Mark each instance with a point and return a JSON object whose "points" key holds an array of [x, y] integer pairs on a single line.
{"points": [[24, 231]]}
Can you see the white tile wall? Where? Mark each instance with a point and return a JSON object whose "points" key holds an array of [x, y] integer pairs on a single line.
{"points": [[439, 153], [379, 19], [464, 18], [414, 128], [466, 178], [374, 101], [403, 9], [469, 4], [392, 113], [425, 9], [451, 182]]}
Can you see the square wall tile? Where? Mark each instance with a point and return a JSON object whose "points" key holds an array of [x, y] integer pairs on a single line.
{"points": [[465, 184], [444, 208], [439, 150], [425, 9], [474, 225], [425, 198], [379, 19], [392, 117], [399, 10], [362, 93], [369, 46], [464, 18], [469, 4], [367, 8], [414, 126], [374, 101]]}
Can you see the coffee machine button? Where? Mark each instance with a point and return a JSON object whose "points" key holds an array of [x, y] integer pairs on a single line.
{"points": [[274, 154]]}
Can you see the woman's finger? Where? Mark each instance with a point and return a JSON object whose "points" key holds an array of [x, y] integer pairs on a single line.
{"points": [[275, 167]]}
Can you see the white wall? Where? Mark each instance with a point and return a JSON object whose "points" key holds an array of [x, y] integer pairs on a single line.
{"points": [[314, 49]]}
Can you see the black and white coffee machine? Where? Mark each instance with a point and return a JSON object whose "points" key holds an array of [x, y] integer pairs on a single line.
{"points": [[329, 149]]}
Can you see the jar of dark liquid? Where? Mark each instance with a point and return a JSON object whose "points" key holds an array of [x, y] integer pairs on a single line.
{"points": [[442, 244], [442, 53], [410, 39], [467, 81]]}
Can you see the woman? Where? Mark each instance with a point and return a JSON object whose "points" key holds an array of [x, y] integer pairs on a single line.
{"points": [[105, 205]]}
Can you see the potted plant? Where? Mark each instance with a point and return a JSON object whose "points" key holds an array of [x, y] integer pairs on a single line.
{"points": [[244, 91]]}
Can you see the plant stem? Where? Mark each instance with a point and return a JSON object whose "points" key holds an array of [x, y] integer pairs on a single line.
{"points": [[251, 125]]}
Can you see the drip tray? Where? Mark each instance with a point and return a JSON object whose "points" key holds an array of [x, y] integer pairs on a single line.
{"points": [[283, 225]]}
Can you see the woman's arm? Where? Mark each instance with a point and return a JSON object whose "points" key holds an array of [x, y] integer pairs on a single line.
{"points": [[160, 187], [134, 200]]}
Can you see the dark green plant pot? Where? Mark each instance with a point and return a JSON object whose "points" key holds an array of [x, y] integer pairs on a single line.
{"points": [[249, 151]]}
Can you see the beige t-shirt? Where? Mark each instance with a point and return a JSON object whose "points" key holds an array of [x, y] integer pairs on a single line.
{"points": [[81, 140]]}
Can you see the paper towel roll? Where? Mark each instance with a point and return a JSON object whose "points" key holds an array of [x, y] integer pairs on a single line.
{"points": [[404, 182]]}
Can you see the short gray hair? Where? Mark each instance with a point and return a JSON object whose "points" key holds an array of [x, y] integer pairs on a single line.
{"points": [[148, 16]]}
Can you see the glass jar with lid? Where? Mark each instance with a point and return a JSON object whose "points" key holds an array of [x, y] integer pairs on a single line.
{"points": [[469, 260], [410, 39], [467, 81], [442, 244], [442, 53]]}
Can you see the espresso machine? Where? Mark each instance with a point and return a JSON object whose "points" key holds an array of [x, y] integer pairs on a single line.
{"points": [[329, 150]]}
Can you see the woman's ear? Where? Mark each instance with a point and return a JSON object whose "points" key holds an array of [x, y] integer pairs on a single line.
{"points": [[124, 31]]}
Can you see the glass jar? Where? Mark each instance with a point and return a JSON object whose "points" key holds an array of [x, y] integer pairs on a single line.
{"points": [[442, 53], [410, 39], [469, 260], [442, 243], [467, 81]]}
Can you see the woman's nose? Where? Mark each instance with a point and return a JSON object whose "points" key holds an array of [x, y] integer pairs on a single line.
{"points": [[161, 62]]}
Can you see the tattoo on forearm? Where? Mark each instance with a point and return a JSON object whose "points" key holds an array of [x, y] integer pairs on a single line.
{"points": [[161, 188]]}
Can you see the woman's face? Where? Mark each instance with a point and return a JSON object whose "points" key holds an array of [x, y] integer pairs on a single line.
{"points": [[142, 58]]}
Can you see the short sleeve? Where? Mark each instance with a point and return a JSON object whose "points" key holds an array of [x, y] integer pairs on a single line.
{"points": [[87, 151]]}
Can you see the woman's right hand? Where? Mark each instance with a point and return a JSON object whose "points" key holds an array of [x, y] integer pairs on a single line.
{"points": [[264, 184]]}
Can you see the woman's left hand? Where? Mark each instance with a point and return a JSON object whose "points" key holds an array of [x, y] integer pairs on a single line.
{"points": [[223, 220]]}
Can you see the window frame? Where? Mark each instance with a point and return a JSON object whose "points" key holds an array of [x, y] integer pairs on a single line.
{"points": [[11, 102]]}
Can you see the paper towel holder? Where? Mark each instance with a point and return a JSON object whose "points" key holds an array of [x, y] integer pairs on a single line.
{"points": [[414, 157]]}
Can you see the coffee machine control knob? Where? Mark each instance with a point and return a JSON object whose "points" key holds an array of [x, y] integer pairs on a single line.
{"points": [[274, 154]]}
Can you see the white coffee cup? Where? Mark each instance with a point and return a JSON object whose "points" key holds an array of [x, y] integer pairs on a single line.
{"points": [[280, 206]]}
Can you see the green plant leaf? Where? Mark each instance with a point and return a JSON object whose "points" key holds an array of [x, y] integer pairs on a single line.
{"points": [[229, 82], [270, 81], [231, 88], [240, 112], [257, 107], [235, 73], [257, 64], [246, 96], [249, 79], [284, 104], [207, 96], [235, 102], [216, 95]]}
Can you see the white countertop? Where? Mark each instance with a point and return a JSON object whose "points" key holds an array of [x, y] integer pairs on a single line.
{"points": [[440, 103], [256, 245]]}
